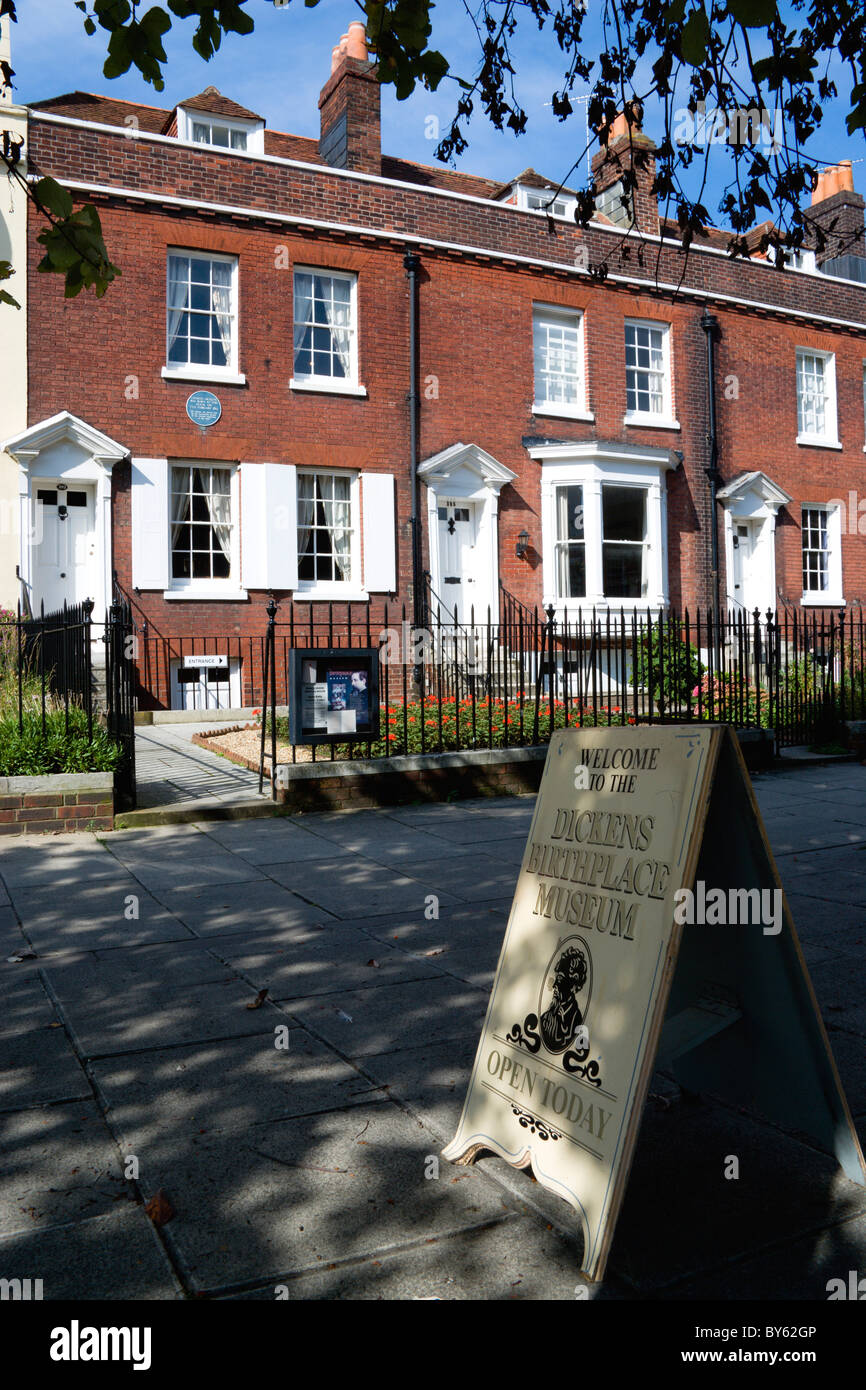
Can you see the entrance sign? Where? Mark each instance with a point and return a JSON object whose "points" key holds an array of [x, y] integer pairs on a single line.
{"points": [[595, 952], [207, 663], [333, 694], [203, 408]]}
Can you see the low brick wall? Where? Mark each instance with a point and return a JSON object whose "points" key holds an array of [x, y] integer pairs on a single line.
{"points": [[67, 801], [330, 786]]}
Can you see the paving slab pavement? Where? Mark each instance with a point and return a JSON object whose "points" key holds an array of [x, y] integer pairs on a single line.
{"points": [[297, 1135]]}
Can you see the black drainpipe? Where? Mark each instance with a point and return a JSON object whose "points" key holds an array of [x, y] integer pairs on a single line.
{"points": [[412, 262], [710, 325]]}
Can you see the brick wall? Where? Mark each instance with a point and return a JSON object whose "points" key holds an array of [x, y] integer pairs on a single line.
{"points": [[28, 806], [102, 359]]}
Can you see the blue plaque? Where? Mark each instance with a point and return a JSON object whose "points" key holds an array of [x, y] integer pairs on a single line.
{"points": [[203, 408]]}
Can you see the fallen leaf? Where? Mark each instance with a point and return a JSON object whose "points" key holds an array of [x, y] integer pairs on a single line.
{"points": [[375, 964], [159, 1209], [22, 955], [259, 1000], [436, 951]]}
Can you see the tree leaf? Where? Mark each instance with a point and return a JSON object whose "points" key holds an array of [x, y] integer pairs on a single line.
{"points": [[51, 196], [753, 14], [695, 37]]}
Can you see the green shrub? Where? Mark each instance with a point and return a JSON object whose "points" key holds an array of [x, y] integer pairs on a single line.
{"points": [[28, 752], [667, 666]]}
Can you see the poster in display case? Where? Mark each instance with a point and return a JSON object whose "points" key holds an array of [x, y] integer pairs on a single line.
{"points": [[334, 694]]}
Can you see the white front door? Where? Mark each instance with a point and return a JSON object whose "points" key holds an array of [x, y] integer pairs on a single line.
{"points": [[458, 528], [64, 552], [742, 589]]}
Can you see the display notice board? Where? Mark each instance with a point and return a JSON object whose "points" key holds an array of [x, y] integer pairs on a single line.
{"points": [[333, 694], [648, 928]]}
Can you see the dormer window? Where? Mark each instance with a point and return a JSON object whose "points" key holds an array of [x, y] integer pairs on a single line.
{"points": [[545, 201], [218, 133], [219, 123], [541, 202], [801, 260]]}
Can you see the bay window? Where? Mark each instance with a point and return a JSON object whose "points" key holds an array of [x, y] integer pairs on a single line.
{"points": [[624, 541], [604, 530], [570, 543]]}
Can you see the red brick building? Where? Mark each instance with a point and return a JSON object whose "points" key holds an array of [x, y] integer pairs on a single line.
{"points": [[563, 448]]}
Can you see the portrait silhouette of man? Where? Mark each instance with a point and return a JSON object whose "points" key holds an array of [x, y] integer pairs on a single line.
{"points": [[562, 1018]]}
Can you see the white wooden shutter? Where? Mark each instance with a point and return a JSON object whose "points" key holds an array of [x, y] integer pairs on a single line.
{"points": [[254, 557], [269, 526], [150, 524], [380, 540], [281, 521]]}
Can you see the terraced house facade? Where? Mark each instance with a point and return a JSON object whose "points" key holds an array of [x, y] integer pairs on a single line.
{"points": [[317, 353]]}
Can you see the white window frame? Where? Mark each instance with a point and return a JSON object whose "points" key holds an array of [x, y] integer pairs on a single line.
{"points": [[203, 371], [592, 466], [229, 588], [565, 202], [346, 591], [336, 386], [665, 419], [578, 410], [254, 131], [832, 596], [830, 437], [803, 261]]}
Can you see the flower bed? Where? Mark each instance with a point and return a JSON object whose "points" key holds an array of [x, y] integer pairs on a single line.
{"points": [[428, 727]]}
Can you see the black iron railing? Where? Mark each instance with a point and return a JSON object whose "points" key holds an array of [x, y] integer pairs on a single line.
{"points": [[53, 675], [508, 680]]}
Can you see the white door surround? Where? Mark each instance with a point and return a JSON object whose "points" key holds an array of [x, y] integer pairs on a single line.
{"points": [[65, 449], [751, 502], [462, 478]]}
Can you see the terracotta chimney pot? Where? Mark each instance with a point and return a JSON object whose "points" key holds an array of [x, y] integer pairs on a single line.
{"points": [[846, 176], [335, 58], [357, 41]]}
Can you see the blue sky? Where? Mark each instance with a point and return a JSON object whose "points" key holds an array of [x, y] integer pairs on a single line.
{"points": [[279, 70]]}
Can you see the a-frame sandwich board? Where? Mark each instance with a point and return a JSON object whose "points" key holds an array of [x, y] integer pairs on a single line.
{"points": [[598, 982]]}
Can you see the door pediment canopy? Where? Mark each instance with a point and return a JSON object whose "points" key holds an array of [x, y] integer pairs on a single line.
{"points": [[751, 494], [448, 464], [67, 429]]}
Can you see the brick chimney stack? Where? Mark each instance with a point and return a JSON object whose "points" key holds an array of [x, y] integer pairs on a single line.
{"points": [[350, 135], [838, 211], [624, 152]]}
